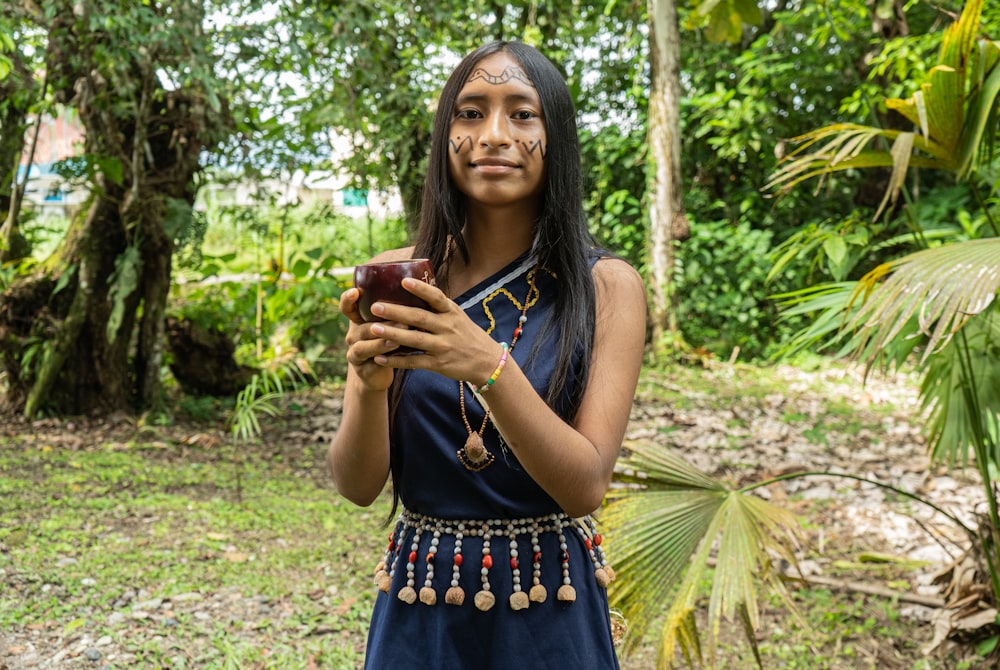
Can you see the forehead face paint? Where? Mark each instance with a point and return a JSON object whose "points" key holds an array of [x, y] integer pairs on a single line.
{"points": [[510, 72]]}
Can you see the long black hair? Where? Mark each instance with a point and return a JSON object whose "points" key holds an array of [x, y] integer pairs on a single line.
{"points": [[562, 242]]}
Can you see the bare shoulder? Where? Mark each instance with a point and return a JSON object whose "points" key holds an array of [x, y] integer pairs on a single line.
{"points": [[615, 279], [621, 303], [400, 254]]}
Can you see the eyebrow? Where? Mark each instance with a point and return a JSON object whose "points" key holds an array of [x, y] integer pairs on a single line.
{"points": [[509, 98]]}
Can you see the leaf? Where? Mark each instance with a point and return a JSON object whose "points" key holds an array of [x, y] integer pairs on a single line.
{"points": [[939, 109], [724, 24], [64, 278], [665, 517], [124, 280], [941, 287], [901, 150], [748, 11], [982, 106], [72, 626], [836, 249]]}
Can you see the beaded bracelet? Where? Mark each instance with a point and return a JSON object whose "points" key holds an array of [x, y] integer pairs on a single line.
{"points": [[496, 373]]}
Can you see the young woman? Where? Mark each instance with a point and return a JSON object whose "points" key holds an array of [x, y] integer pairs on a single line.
{"points": [[501, 437]]}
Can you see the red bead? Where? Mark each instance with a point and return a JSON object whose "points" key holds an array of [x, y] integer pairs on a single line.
{"points": [[588, 544], [597, 539], [413, 557], [487, 561], [430, 558], [513, 564], [458, 560], [538, 557], [517, 332]]}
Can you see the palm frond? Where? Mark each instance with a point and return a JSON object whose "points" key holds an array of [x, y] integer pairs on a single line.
{"points": [[938, 110], [830, 307], [901, 150], [667, 518], [950, 423], [941, 287], [982, 111]]}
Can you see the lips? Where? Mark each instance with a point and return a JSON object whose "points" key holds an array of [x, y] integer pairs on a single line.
{"points": [[494, 162]]}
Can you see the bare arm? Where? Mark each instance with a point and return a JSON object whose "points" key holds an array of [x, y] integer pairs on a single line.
{"points": [[358, 456], [572, 462]]}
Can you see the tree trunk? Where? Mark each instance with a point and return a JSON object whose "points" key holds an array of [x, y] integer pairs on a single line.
{"points": [[16, 94], [86, 334], [81, 372], [667, 222]]}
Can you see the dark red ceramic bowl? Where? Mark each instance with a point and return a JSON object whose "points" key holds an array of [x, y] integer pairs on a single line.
{"points": [[382, 282]]}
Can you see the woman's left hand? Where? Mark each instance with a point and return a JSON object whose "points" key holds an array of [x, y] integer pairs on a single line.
{"points": [[453, 344]]}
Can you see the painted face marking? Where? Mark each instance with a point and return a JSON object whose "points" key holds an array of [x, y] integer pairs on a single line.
{"points": [[510, 72], [459, 142], [531, 146]]}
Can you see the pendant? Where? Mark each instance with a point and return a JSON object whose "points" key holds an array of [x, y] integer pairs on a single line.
{"points": [[474, 455]]}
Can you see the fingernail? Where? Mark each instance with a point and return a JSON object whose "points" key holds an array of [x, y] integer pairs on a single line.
{"points": [[377, 329], [409, 282], [378, 308]]}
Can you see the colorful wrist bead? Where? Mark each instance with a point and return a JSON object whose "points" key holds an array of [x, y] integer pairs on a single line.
{"points": [[496, 373]]}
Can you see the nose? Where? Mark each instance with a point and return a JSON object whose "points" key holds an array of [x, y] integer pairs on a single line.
{"points": [[496, 131]]}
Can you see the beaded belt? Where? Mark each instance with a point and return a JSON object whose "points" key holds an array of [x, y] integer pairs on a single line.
{"points": [[490, 530]]}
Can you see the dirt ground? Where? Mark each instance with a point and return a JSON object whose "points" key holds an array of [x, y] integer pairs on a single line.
{"points": [[872, 431]]}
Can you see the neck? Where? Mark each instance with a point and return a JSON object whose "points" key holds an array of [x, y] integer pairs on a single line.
{"points": [[494, 239], [499, 234]]}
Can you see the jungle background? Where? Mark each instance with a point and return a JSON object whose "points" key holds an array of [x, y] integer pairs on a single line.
{"points": [[810, 190]]}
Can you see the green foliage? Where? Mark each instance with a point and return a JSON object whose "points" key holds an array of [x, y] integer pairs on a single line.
{"points": [[666, 520], [298, 315], [724, 19], [741, 105], [259, 397], [940, 299], [86, 170], [298, 265], [124, 281], [614, 163], [374, 98], [964, 371], [724, 288]]}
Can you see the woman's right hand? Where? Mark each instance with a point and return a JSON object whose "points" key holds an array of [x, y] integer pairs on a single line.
{"points": [[363, 346]]}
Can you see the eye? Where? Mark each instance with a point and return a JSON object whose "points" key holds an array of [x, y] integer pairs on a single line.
{"points": [[525, 115], [467, 114]]}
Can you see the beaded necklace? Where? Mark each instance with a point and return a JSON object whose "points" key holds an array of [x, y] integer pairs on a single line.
{"points": [[474, 455]]}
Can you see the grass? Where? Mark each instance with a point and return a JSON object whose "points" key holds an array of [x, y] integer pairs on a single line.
{"points": [[82, 530], [136, 534]]}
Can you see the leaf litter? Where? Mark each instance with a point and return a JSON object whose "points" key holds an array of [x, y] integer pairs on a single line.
{"points": [[736, 423]]}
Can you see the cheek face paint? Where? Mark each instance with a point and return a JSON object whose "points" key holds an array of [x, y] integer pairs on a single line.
{"points": [[534, 145], [459, 143]]}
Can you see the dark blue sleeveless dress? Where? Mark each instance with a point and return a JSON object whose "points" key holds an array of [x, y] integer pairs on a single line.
{"points": [[553, 634]]}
